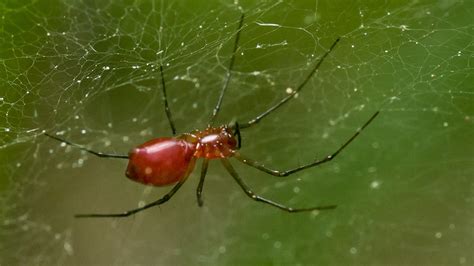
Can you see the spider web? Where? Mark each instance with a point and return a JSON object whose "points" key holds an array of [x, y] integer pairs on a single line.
{"points": [[89, 72]]}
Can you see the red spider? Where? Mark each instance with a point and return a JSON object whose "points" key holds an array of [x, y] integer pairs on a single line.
{"points": [[169, 160]]}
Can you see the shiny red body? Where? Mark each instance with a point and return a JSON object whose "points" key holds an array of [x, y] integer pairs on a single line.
{"points": [[164, 161]]}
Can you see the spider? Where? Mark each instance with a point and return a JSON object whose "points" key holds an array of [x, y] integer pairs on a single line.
{"points": [[170, 160]]}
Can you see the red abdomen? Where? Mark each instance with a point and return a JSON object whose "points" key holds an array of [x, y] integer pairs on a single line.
{"points": [[161, 161]]}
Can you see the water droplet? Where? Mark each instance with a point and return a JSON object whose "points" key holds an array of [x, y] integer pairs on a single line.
{"points": [[353, 250], [375, 184]]}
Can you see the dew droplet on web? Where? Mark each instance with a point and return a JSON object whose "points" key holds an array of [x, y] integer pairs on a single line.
{"points": [[277, 244], [222, 249], [68, 248], [353, 250], [375, 145], [374, 184]]}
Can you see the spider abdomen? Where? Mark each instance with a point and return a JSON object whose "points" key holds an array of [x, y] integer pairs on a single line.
{"points": [[161, 161]]}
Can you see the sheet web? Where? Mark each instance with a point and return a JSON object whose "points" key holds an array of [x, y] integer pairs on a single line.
{"points": [[90, 74]]}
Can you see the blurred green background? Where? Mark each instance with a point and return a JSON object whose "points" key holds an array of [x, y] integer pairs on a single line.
{"points": [[88, 70]]}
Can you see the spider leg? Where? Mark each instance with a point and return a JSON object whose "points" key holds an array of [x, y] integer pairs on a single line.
{"points": [[289, 97], [229, 72], [99, 154], [160, 201], [255, 197], [328, 158], [165, 100], [204, 166], [237, 133]]}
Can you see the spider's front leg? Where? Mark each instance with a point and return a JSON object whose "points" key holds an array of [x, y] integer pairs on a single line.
{"points": [[256, 197], [326, 159]]}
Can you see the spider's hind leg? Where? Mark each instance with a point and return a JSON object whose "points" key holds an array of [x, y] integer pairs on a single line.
{"points": [[165, 101], [96, 153], [160, 201]]}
